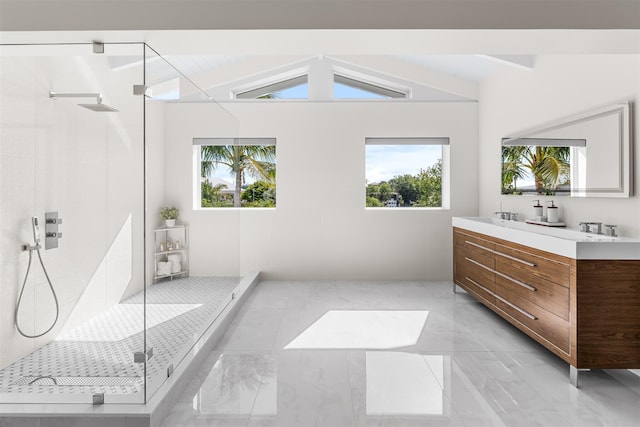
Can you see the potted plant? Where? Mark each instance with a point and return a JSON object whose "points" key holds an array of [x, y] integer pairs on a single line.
{"points": [[169, 214]]}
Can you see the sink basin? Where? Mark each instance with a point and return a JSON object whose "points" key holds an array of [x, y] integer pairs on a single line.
{"points": [[561, 241], [562, 233]]}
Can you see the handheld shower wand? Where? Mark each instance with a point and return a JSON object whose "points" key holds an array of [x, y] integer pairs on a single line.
{"points": [[36, 230], [36, 247]]}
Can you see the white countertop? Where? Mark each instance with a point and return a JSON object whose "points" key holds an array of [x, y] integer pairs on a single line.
{"points": [[561, 241]]}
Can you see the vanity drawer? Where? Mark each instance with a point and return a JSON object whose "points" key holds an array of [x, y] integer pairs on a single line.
{"points": [[480, 250], [477, 272], [478, 257], [546, 294], [544, 323], [522, 265], [476, 242], [478, 289]]}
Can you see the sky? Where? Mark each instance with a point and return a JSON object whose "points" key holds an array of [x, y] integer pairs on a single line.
{"points": [[383, 162], [340, 91]]}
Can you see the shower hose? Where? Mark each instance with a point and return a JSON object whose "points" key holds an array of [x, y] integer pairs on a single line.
{"points": [[24, 283]]}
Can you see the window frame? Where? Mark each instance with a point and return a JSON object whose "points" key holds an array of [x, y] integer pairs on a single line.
{"points": [[368, 87], [443, 142], [197, 143]]}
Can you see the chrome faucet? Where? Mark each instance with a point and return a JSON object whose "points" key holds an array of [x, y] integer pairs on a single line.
{"points": [[594, 227], [512, 216], [610, 230]]}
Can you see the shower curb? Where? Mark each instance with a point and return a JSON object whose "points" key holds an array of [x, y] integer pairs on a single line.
{"points": [[172, 389]]}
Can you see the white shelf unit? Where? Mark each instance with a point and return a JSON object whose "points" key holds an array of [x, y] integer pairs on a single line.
{"points": [[165, 238]]}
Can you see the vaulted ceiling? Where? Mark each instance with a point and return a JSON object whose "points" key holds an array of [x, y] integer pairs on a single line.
{"points": [[436, 65], [430, 77], [440, 49]]}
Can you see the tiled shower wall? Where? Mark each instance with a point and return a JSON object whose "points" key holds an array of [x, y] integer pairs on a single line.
{"points": [[56, 156]]}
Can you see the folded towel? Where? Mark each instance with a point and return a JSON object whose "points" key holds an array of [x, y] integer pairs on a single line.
{"points": [[164, 269], [174, 258], [176, 266]]}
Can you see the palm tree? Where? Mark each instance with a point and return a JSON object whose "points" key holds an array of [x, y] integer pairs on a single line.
{"points": [[256, 160], [547, 164], [512, 168]]}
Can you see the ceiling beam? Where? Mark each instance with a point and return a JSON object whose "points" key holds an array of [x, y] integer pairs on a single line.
{"points": [[353, 42], [60, 15]]}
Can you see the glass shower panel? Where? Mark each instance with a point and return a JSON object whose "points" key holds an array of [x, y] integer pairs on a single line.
{"points": [[72, 209], [192, 266]]}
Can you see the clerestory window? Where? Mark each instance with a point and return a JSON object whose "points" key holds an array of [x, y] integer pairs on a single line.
{"points": [[294, 88]]}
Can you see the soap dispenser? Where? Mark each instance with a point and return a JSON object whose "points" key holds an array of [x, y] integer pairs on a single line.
{"points": [[537, 211], [552, 213]]}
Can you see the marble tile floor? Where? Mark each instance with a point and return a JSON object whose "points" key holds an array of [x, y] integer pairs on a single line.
{"points": [[464, 366]]}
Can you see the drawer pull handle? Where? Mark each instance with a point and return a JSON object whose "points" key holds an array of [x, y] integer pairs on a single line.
{"points": [[510, 304], [478, 246], [517, 282], [480, 264], [521, 261], [530, 264], [515, 307], [481, 287]]}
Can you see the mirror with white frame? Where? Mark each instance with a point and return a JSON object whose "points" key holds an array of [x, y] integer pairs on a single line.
{"points": [[587, 155]]}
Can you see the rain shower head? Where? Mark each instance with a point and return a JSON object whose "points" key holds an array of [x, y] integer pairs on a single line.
{"points": [[98, 106]]}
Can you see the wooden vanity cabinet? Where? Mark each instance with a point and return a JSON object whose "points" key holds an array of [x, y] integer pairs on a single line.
{"points": [[585, 311]]}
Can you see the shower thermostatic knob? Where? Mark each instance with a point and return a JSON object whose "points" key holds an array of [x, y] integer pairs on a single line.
{"points": [[52, 235]]}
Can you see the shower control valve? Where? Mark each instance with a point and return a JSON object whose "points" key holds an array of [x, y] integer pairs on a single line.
{"points": [[51, 233]]}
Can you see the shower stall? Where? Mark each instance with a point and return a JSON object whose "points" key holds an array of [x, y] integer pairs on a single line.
{"points": [[81, 184]]}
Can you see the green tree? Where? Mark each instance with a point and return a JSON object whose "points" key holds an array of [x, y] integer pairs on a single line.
{"points": [[381, 191], [407, 187], [372, 191], [384, 191], [260, 193], [256, 160], [430, 185], [423, 189], [373, 202]]}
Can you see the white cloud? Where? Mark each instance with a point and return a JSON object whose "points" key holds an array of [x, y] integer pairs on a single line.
{"points": [[383, 162]]}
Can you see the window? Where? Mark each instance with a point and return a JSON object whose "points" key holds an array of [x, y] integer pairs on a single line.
{"points": [[295, 88], [406, 172], [234, 172], [349, 88]]}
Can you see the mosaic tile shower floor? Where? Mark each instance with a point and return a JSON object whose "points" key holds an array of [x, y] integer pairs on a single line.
{"points": [[92, 357]]}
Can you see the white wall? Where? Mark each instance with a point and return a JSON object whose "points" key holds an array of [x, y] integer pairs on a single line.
{"points": [[320, 228], [560, 86], [56, 156]]}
